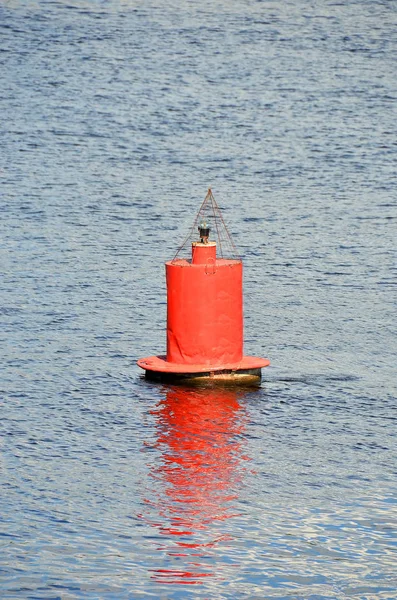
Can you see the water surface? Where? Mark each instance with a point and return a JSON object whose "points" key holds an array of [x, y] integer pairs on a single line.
{"points": [[115, 118]]}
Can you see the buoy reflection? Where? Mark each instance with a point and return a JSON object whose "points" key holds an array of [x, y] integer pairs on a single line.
{"points": [[197, 479]]}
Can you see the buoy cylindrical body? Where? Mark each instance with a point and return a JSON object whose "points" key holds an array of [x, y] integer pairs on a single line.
{"points": [[204, 309]]}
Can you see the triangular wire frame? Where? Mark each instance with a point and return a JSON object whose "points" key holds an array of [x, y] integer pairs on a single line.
{"points": [[210, 215]]}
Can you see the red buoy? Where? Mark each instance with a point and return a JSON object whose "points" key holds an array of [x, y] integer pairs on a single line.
{"points": [[205, 313]]}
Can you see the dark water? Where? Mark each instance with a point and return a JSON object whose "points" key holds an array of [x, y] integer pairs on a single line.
{"points": [[115, 117]]}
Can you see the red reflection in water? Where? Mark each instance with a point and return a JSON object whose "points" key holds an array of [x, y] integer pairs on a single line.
{"points": [[200, 437]]}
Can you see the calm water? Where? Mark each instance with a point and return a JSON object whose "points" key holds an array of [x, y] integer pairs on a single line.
{"points": [[115, 117]]}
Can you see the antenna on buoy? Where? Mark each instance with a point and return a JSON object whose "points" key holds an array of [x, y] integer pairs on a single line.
{"points": [[205, 310], [210, 216]]}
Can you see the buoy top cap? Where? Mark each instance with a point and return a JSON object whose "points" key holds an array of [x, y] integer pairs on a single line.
{"points": [[210, 244]]}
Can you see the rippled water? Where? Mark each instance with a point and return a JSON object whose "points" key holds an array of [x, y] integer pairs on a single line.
{"points": [[115, 117]]}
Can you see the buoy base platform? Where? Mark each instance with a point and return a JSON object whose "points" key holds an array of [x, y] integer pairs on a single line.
{"points": [[247, 372]]}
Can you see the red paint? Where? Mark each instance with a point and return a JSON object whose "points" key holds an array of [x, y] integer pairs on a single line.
{"points": [[204, 310], [204, 253]]}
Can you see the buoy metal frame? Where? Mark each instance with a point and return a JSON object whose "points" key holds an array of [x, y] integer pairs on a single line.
{"points": [[204, 321]]}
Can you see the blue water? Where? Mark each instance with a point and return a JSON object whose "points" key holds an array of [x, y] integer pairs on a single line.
{"points": [[115, 118]]}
